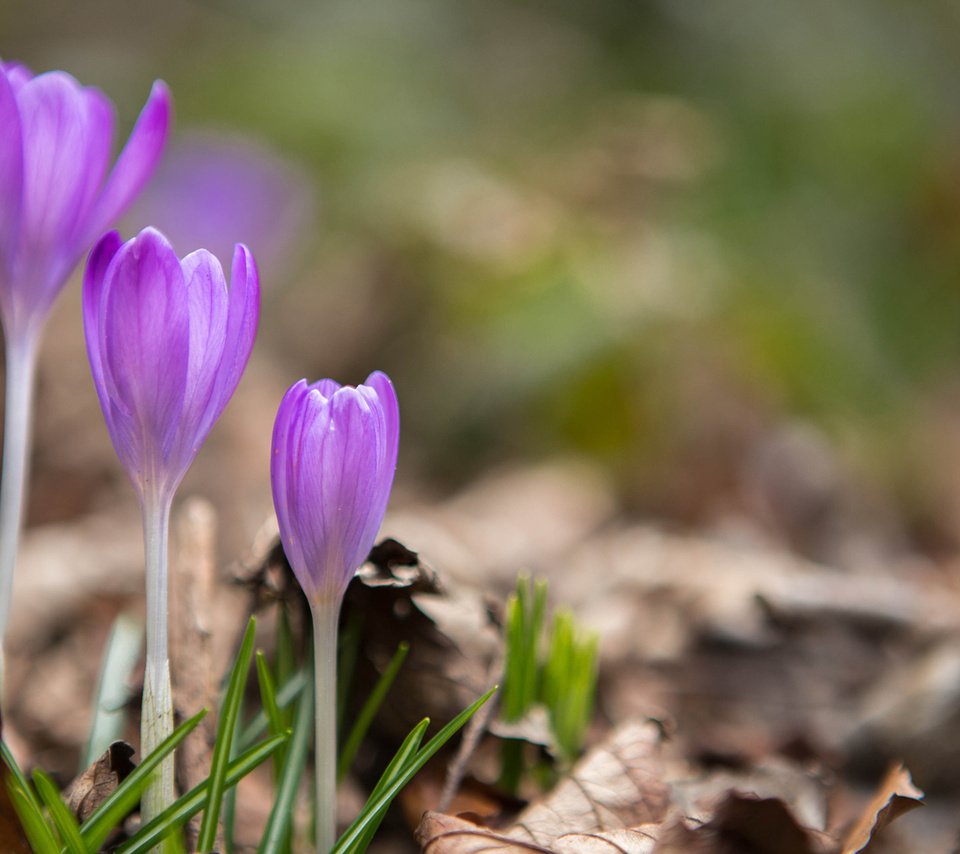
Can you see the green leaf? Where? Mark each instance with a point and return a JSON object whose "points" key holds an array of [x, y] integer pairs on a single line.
{"points": [[286, 654], [373, 808], [63, 819], [31, 816], [411, 744], [369, 710], [289, 692], [19, 777], [281, 815], [229, 713], [113, 691], [268, 699], [124, 798], [182, 810]]}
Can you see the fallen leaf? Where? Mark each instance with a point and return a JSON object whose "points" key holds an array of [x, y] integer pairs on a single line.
{"points": [[99, 781], [746, 824], [618, 784], [439, 833], [895, 796]]}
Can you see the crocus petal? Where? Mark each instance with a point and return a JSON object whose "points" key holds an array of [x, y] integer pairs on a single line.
{"points": [[144, 334], [241, 330], [120, 421], [388, 442], [135, 163], [18, 74], [93, 280], [59, 124], [207, 296], [11, 184], [285, 464]]}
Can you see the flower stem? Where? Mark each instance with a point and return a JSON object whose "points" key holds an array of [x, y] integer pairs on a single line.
{"points": [[156, 721], [21, 370], [326, 614]]}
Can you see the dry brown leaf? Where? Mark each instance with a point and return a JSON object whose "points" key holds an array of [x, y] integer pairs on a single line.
{"points": [[99, 781], [749, 825], [619, 784], [628, 841], [802, 791], [447, 834], [895, 796]]}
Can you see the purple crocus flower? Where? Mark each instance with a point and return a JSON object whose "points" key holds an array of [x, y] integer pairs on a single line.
{"points": [[334, 456], [56, 197], [55, 194], [168, 342]]}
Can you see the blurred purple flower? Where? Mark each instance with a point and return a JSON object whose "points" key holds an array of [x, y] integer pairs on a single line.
{"points": [[212, 187], [56, 140], [334, 457], [168, 342]]}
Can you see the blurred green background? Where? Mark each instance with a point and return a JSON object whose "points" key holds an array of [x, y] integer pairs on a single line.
{"points": [[651, 233]]}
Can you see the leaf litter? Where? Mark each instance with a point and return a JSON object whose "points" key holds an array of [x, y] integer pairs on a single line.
{"points": [[750, 699]]}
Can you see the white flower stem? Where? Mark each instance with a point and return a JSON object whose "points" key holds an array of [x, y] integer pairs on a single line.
{"points": [[20, 377], [156, 721], [326, 614]]}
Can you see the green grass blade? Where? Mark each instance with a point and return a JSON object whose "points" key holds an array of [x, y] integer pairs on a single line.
{"points": [[32, 820], [278, 825], [124, 798], [113, 692], [511, 699], [268, 700], [229, 713], [374, 807], [286, 663], [63, 819], [369, 711], [289, 692], [195, 800], [230, 801], [411, 744], [19, 777]]}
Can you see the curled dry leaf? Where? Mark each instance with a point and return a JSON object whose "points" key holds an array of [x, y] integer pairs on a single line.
{"points": [[895, 796], [447, 834], [619, 784], [99, 781], [616, 787]]}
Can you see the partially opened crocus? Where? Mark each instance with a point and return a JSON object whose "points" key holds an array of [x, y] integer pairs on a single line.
{"points": [[168, 341], [334, 457], [57, 194]]}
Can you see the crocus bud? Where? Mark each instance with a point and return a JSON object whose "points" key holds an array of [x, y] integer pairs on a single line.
{"points": [[168, 342], [334, 457], [56, 140]]}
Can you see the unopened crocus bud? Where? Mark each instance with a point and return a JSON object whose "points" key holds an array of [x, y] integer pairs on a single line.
{"points": [[334, 456]]}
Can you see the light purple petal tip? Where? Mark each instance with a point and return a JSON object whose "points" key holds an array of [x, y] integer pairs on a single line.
{"points": [[137, 160]]}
